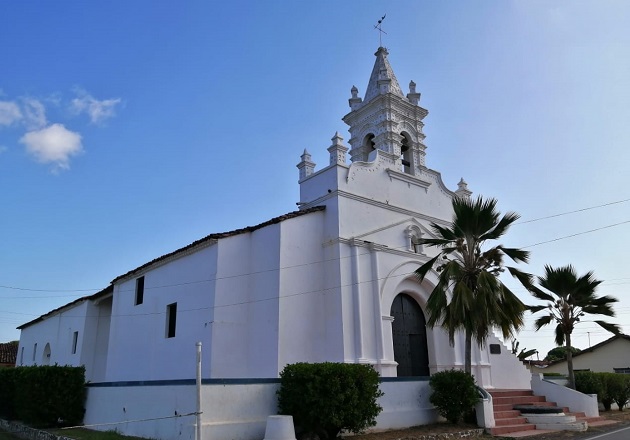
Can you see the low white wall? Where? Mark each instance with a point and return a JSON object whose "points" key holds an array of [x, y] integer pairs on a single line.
{"points": [[108, 405], [507, 371], [563, 396], [484, 410], [234, 409], [405, 403]]}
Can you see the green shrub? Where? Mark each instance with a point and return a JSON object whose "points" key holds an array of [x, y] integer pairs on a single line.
{"points": [[619, 389], [608, 389], [50, 395], [454, 394], [588, 382], [326, 398], [8, 378]]}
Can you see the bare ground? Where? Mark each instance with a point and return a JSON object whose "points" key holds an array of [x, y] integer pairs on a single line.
{"points": [[418, 432]]}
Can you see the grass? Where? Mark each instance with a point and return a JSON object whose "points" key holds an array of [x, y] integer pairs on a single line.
{"points": [[89, 434]]}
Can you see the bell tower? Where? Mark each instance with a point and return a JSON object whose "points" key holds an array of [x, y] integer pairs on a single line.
{"points": [[386, 122]]}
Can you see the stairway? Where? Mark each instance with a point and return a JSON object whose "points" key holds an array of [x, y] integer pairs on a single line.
{"points": [[508, 420]]}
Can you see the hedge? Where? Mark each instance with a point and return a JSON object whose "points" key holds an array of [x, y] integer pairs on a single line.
{"points": [[43, 396]]}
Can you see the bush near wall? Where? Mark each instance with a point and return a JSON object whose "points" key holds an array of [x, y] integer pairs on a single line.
{"points": [[609, 387], [326, 398], [454, 394], [44, 396]]}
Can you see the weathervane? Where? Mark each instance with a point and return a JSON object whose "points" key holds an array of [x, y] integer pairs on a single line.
{"points": [[377, 26]]}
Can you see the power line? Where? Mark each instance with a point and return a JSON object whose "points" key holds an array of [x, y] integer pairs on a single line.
{"points": [[575, 235], [571, 212]]}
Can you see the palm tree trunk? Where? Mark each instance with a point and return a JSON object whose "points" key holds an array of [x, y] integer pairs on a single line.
{"points": [[468, 353], [570, 361]]}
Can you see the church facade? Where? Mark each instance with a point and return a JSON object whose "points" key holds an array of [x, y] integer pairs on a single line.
{"points": [[333, 281]]}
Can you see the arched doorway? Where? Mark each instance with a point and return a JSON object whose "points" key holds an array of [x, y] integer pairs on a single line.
{"points": [[409, 332], [46, 355]]}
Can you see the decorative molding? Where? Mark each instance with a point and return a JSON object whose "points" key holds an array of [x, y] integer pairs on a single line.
{"points": [[409, 179]]}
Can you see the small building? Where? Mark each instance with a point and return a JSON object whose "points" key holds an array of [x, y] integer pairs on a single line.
{"points": [[610, 356], [8, 354]]}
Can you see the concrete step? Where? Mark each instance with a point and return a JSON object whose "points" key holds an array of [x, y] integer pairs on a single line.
{"points": [[506, 414], [546, 419], [510, 393], [501, 430], [520, 420], [517, 400]]}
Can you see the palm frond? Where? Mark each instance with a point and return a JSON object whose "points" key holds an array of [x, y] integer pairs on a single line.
{"points": [[422, 271], [534, 309], [560, 335], [543, 321], [517, 255], [612, 328]]}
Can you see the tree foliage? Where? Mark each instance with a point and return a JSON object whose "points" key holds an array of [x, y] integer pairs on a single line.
{"points": [[569, 298], [560, 353], [469, 295]]}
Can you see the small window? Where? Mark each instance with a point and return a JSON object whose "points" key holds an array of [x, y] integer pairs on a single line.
{"points": [[171, 320], [34, 351], [139, 291], [625, 370], [495, 349], [75, 339]]}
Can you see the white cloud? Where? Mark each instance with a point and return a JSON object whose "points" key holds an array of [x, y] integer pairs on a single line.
{"points": [[53, 144], [97, 110], [9, 113], [34, 113], [3, 148]]}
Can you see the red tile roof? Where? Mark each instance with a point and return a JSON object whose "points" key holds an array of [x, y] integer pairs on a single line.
{"points": [[97, 295], [8, 352], [205, 239], [220, 235]]}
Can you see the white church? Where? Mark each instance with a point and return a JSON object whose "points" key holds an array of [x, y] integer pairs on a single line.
{"points": [[332, 281]]}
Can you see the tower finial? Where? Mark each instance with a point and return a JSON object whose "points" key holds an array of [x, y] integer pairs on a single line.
{"points": [[377, 26]]}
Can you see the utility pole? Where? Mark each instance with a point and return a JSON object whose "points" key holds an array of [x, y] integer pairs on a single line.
{"points": [[198, 386]]}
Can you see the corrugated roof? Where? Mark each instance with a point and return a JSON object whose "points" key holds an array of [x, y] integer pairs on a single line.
{"points": [[593, 348]]}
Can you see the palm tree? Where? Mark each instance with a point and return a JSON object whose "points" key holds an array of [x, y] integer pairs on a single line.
{"points": [[469, 295], [569, 298]]}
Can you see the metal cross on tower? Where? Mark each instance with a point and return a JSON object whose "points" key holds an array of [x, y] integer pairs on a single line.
{"points": [[377, 26]]}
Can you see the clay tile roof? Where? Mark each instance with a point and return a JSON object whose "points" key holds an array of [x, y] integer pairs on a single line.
{"points": [[109, 289], [8, 352], [106, 291], [220, 235]]}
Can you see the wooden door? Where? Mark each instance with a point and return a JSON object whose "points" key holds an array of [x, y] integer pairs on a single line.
{"points": [[410, 337]]}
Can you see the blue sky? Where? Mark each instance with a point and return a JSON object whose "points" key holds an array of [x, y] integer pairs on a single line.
{"points": [[130, 129]]}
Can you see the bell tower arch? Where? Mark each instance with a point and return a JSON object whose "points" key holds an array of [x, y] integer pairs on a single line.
{"points": [[387, 121]]}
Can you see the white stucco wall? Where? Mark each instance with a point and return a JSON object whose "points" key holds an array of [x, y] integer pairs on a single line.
{"points": [[138, 346], [57, 331], [235, 410]]}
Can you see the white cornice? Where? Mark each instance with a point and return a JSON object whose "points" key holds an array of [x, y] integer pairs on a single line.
{"points": [[382, 205]]}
